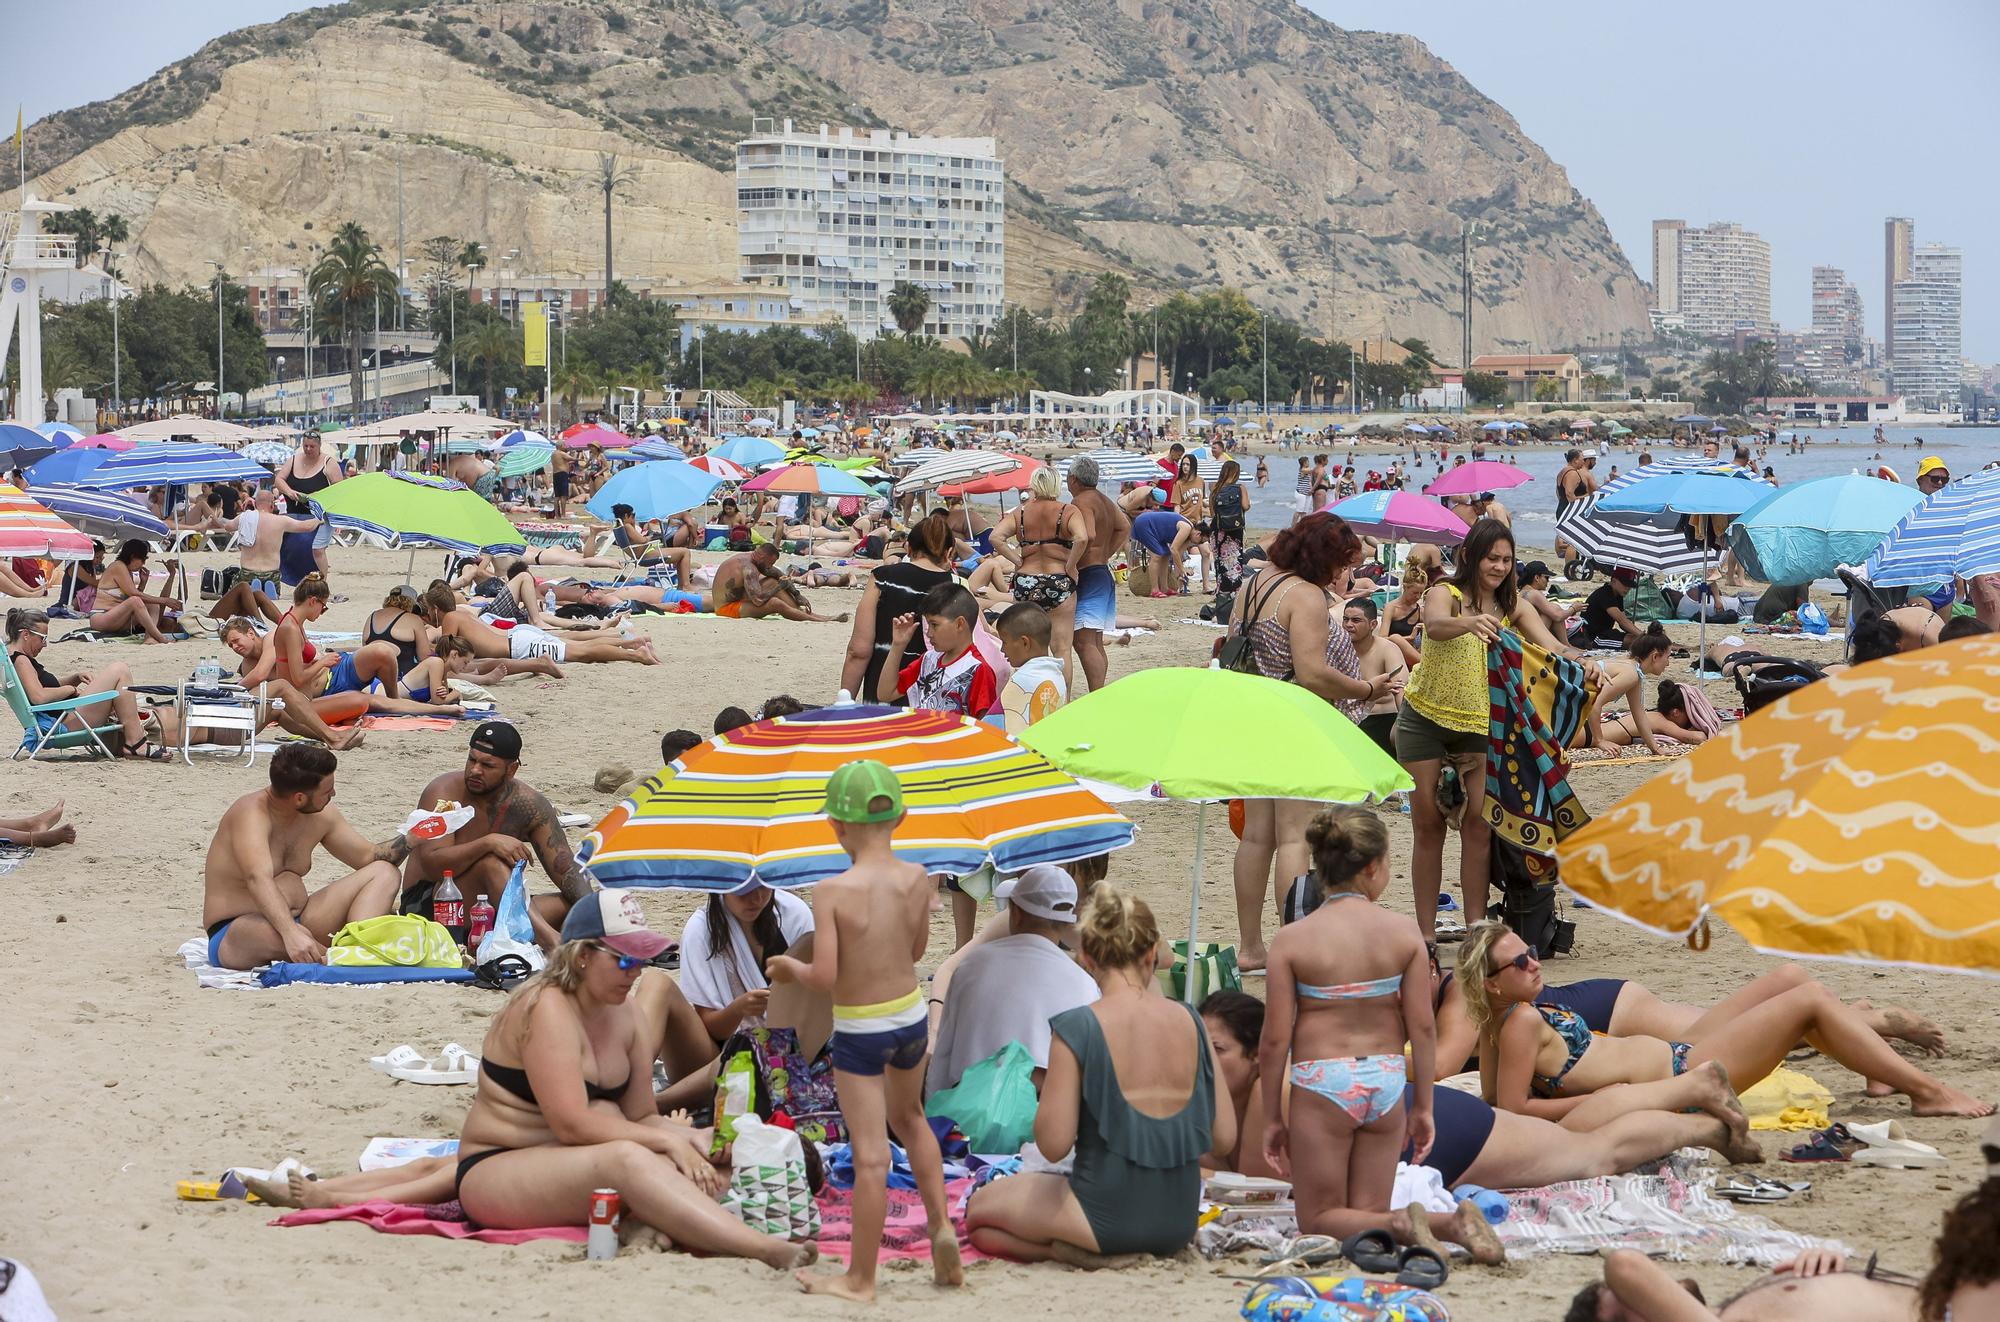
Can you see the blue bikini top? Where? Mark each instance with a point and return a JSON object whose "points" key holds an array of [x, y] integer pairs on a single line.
{"points": [[1351, 991]]}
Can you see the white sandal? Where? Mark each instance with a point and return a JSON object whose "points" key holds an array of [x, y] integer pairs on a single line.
{"points": [[454, 1065], [400, 1056]]}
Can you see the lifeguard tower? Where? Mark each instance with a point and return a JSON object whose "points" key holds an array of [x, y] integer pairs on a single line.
{"points": [[25, 255]]}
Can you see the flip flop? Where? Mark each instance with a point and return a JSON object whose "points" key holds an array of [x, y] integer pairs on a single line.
{"points": [[455, 1065], [1759, 1191], [1821, 1148], [400, 1056], [1373, 1251], [1422, 1268]]}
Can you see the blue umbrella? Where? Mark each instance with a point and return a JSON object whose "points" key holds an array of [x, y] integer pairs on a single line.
{"points": [[1809, 529], [60, 431], [1679, 494], [1225, 421], [71, 465], [1497, 425], [657, 450], [103, 514], [655, 490], [808, 431], [1953, 534], [750, 451], [518, 437], [172, 462], [21, 446]]}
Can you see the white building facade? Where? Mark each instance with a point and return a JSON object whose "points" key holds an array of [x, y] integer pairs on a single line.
{"points": [[1926, 325], [1725, 280], [838, 217]]}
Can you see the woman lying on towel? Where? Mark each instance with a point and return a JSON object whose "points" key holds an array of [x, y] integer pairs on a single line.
{"points": [[342, 685], [1542, 1059], [565, 1103]]}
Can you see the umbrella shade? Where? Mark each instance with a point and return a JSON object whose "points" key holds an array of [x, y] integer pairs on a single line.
{"points": [[1402, 516], [759, 424], [958, 466], [1692, 463], [1002, 435], [60, 431], [272, 453], [722, 468], [390, 430], [1694, 419], [1809, 529], [747, 805], [1676, 494], [29, 528], [1496, 426], [808, 431], [995, 483], [657, 450], [1956, 533], [1617, 430], [749, 451], [921, 454], [520, 437], [1648, 547], [104, 440], [520, 460], [1481, 475], [596, 433], [809, 479], [1417, 427], [658, 489], [213, 430], [412, 510], [1115, 466], [71, 465], [1848, 820], [1224, 420], [109, 515], [21, 446], [171, 462]]}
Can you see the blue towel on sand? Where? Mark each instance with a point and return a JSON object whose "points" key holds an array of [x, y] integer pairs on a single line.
{"points": [[281, 975]]}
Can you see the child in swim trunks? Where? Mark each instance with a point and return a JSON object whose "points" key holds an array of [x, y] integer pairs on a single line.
{"points": [[872, 923]]}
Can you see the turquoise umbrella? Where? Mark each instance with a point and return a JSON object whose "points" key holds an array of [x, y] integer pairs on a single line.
{"points": [[1809, 529]]}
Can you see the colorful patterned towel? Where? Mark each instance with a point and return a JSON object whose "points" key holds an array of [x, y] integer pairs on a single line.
{"points": [[904, 1234], [1538, 703], [446, 1220]]}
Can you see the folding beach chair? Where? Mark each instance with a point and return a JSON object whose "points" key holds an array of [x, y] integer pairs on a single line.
{"points": [[42, 730]]}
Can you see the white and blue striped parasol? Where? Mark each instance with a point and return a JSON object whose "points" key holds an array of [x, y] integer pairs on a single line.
{"points": [[102, 514], [1116, 466], [1954, 534], [169, 463]]}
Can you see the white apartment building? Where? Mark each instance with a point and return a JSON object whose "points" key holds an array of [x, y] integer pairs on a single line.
{"points": [[1725, 280], [838, 217], [1836, 309], [1667, 267], [1925, 324]]}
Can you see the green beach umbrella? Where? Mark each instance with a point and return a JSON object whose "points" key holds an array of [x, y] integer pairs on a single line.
{"points": [[1208, 734], [410, 509], [524, 459]]}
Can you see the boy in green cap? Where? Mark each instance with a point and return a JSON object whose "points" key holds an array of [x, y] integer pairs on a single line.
{"points": [[871, 924]]}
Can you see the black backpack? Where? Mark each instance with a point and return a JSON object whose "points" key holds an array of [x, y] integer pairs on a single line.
{"points": [[1229, 508]]}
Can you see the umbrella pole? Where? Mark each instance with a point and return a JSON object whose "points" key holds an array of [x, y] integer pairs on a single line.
{"points": [[410, 573], [1707, 604], [1194, 899]]}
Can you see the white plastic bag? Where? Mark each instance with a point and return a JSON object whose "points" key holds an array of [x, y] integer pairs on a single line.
{"points": [[767, 1183], [512, 933]]}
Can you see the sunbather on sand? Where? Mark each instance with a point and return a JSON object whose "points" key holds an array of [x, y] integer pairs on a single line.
{"points": [[748, 586], [1815, 1286], [336, 680], [441, 610], [430, 679], [41, 830], [285, 705]]}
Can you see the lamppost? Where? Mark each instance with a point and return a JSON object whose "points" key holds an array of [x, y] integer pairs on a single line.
{"points": [[218, 337], [377, 345], [281, 386], [1264, 357], [111, 291]]}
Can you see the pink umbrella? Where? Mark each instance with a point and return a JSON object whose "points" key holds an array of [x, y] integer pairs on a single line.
{"points": [[1401, 516], [103, 441], [720, 467], [1481, 475], [596, 434]]}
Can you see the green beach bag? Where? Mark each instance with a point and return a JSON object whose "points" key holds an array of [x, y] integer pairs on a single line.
{"points": [[407, 941], [1214, 970], [993, 1103]]}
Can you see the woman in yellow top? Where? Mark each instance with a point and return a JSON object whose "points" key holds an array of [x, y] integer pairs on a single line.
{"points": [[1446, 706]]}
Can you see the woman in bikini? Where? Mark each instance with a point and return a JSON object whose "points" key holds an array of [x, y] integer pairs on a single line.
{"points": [[121, 607], [335, 681], [1624, 679], [1404, 612], [1044, 539], [565, 1103], [1544, 1059], [1349, 985]]}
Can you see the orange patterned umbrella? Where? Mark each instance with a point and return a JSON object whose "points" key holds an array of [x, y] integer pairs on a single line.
{"points": [[1857, 818]]}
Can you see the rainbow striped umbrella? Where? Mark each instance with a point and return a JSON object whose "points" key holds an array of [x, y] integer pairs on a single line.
{"points": [[27, 528], [745, 806]]}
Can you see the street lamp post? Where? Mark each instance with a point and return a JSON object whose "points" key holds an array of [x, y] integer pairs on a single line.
{"points": [[218, 337], [377, 345], [117, 396], [1264, 358], [281, 386]]}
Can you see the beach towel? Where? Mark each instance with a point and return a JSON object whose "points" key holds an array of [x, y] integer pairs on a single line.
{"points": [[1538, 701], [1669, 1215], [409, 722], [1787, 1099], [193, 954], [445, 1220], [284, 975], [904, 1233], [13, 856]]}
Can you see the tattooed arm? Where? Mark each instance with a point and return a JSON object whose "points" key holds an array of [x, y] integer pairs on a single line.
{"points": [[530, 817], [347, 844]]}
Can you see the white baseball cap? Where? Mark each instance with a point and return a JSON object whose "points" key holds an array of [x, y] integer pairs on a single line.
{"points": [[1044, 890]]}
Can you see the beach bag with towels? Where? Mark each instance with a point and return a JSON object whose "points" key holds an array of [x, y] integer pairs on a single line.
{"points": [[993, 1103], [768, 1188], [407, 941], [1213, 969]]}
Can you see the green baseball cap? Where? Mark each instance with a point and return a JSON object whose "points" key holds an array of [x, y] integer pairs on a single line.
{"points": [[853, 788]]}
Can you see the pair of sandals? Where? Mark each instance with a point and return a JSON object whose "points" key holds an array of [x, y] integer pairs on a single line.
{"points": [[1373, 1251]]}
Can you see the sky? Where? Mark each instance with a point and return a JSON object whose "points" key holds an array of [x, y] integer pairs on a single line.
{"points": [[1807, 121]]}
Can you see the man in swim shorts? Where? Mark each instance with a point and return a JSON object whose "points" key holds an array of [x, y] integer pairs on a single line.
{"points": [[1096, 590], [255, 905], [749, 586]]}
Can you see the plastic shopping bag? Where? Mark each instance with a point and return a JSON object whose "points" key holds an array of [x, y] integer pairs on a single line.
{"points": [[513, 933]]}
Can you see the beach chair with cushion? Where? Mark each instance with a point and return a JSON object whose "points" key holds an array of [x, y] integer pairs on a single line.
{"points": [[42, 730]]}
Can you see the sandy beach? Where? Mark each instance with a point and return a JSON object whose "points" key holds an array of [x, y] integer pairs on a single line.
{"points": [[119, 1076]]}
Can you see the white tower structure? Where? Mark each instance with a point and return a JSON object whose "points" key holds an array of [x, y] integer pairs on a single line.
{"points": [[22, 265]]}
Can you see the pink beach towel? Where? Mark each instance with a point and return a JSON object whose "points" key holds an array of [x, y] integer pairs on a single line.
{"points": [[904, 1234], [446, 1220]]}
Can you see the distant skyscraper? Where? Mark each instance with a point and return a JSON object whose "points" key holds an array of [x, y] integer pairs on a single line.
{"points": [[1899, 233], [1836, 309], [1928, 305], [1725, 280], [1667, 265]]}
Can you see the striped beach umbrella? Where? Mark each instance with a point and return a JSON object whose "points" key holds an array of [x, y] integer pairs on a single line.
{"points": [[21, 446], [746, 805], [958, 466], [1954, 534], [520, 460], [1116, 466], [722, 468], [169, 462], [1651, 547], [657, 449], [921, 454], [809, 480], [109, 515], [60, 431], [29, 528]]}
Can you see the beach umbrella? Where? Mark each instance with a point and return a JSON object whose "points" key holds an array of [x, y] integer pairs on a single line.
{"points": [[808, 432], [1809, 529], [104, 440], [109, 515], [215, 431], [1693, 420], [1002, 435], [1954, 534], [1417, 427], [1402, 516], [917, 455], [657, 450], [1480, 475], [759, 424], [595, 433], [413, 510], [1677, 497], [1655, 546], [520, 460], [1253, 426], [1224, 420], [658, 489], [673, 422], [1498, 425], [809, 480], [171, 462], [60, 431], [722, 468], [1848, 820], [1617, 430], [272, 453], [21, 446], [957, 466], [1204, 734], [70, 465], [1116, 466], [31, 530], [520, 436], [749, 451], [994, 483], [746, 806]]}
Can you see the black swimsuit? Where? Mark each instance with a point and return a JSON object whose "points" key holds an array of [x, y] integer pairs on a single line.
{"points": [[406, 652], [515, 1080]]}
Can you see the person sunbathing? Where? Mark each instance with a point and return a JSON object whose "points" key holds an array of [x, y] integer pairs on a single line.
{"points": [[1542, 1061], [122, 607], [565, 1103], [42, 830], [441, 610], [312, 718], [430, 679], [13, 585], [748, 586], [286, 653], [28, 638], [1625, 678], [1669, 719], [1814, 1286]]}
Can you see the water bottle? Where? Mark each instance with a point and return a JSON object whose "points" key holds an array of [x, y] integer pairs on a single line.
{"points": [[209, 673], [448, 908], [482, 923]]}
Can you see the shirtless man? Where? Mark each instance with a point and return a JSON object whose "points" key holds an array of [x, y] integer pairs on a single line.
{"points": [[512, 822], [477, 472], [1815, 1285], [748, 586], [261, 531], [1096, 590], [523, 642], [254, 899]]}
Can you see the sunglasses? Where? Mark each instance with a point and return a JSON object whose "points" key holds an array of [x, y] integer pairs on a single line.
{"points": [[1520, 961], [626, 963]]}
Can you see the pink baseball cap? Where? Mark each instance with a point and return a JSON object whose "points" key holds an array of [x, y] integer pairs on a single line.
{"points": [[613, 917]]}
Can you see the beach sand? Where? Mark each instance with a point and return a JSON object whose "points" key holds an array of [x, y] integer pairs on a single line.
{"points": [[119, 1076]]}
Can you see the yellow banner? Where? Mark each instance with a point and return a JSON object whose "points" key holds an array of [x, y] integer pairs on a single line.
{"points": [[535, 330]]}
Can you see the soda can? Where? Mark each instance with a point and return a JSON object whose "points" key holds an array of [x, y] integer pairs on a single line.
{"points": [[602, 1240]]}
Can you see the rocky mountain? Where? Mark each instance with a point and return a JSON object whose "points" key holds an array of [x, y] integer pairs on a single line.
{"points": [[1183, 142]]}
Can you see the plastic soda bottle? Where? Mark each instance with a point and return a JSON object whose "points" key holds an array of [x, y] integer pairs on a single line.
{"points": [[448, 907]]}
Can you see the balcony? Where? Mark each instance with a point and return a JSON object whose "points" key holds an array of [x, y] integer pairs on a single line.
{"points": [[45, 252]]}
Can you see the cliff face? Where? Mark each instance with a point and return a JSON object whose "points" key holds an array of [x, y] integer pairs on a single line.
{"points": [[1187, 143]]}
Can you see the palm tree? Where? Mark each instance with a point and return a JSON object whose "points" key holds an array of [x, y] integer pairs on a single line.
{"points": [[610, 178], [494, 343], [473, 258], [909, 304], [574, 380], [348, 285]]}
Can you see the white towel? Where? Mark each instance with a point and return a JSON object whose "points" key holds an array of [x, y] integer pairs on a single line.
{"points": [[194, 954]]}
